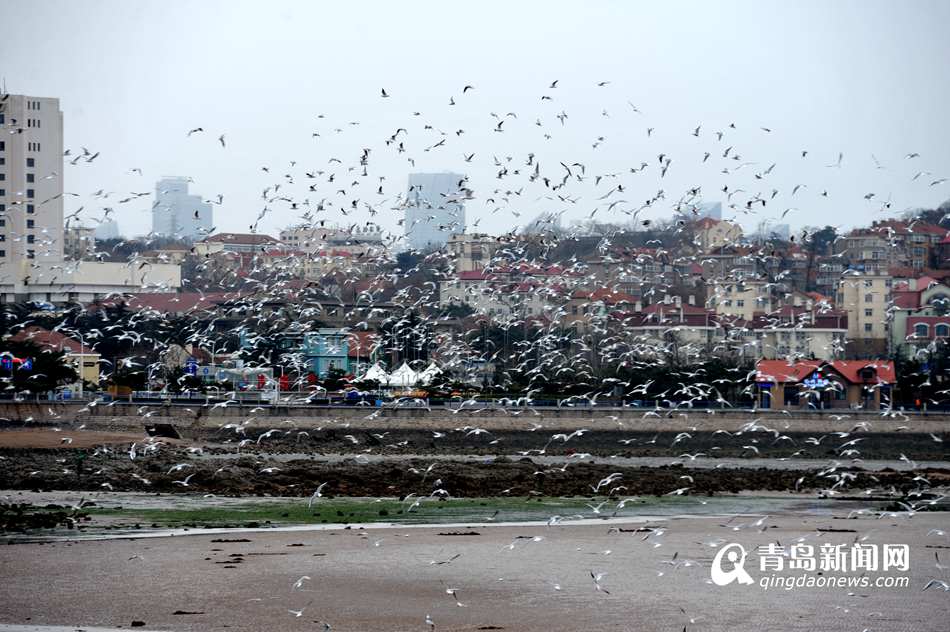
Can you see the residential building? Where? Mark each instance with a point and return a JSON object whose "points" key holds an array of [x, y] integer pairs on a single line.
{"points": [[312, 238], [741, 299], [891, 243], [920, 315], [240, 243], [828, 274], [473, 252], [866, 300], [499, 295], [710, 234], [178, 214], [797, 332], [435, 209], [668, 329], [319, 351]]}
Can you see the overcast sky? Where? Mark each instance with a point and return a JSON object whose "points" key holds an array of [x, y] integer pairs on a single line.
{"points": [[861, 78]]}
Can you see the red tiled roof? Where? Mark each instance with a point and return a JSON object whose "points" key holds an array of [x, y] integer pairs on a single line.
{"points": [[850, 369], [906, 299], [781, 371], [46, 339]]}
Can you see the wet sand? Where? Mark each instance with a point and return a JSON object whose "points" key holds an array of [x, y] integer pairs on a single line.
{"points": [[66, 437], [385, 579]]}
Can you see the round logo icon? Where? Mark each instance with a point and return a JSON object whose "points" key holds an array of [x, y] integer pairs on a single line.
{"points": [[734, 555]]}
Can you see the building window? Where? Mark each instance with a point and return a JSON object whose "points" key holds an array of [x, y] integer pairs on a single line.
{"points": [[29, 223], [921, 330], [867, 327], [3, 192], [868, 298], [3, 237], [30, 193], [942, 330], [29, 208], [3, 253], [3, 177], [3, 222], [3, 145], [30, 178], [30, 239], [30, 162], [3, 160], [869, 312], [30, 254], [740, 302]]}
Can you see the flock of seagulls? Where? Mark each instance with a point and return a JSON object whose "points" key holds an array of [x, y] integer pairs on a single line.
{"points": [[398, 297]]}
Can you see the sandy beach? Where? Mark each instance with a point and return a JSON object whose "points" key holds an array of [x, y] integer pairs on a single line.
{"points": [[526, 578]]}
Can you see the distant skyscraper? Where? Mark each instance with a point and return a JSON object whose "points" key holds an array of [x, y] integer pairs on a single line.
{"points": [[177, 214], [767, 230], [709, 209], [435, 209], [31, 182], [107, 229]]}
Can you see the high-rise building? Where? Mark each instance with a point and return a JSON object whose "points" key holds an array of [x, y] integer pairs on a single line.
{"points": [[709, 209], [435, 209], [31, 180], [107, 229], [176, 213]]}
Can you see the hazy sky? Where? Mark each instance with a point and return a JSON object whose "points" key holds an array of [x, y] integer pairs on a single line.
{"points": [[862, 78]]}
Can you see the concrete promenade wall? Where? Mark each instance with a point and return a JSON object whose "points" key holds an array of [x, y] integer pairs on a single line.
{"points": [[122, 416]]}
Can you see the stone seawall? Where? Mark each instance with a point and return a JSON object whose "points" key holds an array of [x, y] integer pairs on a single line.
{"points": [[129, 416]]}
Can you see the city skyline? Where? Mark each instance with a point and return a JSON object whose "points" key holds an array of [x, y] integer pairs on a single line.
{"points": [[233, 146]]}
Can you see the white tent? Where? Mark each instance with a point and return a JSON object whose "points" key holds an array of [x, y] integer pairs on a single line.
{"points": [[403, 376], [377, 374], [428, 374]]}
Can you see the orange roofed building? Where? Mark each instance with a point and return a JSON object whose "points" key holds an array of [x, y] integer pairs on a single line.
{"points": [[819, 384]]}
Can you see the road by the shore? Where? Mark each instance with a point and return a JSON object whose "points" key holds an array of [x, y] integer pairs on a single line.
{"points": [[505, 578]]}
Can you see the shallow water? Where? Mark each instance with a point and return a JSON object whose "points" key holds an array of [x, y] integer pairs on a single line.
{"points": [[465, 513]]}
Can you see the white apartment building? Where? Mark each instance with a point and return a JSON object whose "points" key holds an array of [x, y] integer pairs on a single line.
{"points": [[741, 299], [31, 179], [315, 238], [472, 252], [866, 300]]}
